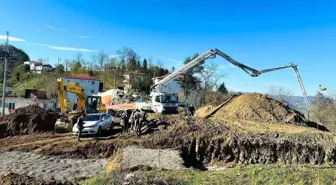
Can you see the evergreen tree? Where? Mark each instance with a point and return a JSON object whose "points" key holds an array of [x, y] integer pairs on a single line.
{"points": [[222, 89], [144, 64]]}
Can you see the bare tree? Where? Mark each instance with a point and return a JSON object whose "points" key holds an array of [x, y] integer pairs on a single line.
{"points": [[79, 58], [210, 78], [66, 64], [127, 54], [102, 57], [323, 110], [281, 94], [40, 60]]}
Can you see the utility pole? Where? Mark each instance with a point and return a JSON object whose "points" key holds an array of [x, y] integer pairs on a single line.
{"points": [[4, 79]]}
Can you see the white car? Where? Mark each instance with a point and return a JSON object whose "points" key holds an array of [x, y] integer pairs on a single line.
{"points": [[95, 124]]}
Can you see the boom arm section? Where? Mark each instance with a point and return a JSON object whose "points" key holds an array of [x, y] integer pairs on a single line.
{"points": [[201, 58], [298, 77], [73, 88]]}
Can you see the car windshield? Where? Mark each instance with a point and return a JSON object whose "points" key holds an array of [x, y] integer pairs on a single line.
{"points": [[169, 99], [92, 118]]}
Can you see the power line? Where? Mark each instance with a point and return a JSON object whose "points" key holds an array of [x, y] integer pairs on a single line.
{"points": [[4, 78]]}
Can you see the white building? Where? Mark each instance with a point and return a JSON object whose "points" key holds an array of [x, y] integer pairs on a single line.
{"points": [[90, 84], [174, 86], [38, 67], [13, 103]]}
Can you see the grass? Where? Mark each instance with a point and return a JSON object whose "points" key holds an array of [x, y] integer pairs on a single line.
{"points": [[252, 174]]}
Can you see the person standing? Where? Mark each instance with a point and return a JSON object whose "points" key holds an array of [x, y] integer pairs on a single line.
{"points": [[123, 121], [80, 125], [192, 110], [137, 122], [143, 117]]}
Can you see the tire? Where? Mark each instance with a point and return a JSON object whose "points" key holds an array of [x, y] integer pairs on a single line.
{"points": [[99, 131], [111, 127]]}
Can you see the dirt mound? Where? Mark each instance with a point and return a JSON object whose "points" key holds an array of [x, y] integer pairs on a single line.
{"points": [[260, 108], [27, 120], [12, 178]]}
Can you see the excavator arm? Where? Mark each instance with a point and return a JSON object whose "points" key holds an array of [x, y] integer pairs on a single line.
{"points": [[73, 88]]}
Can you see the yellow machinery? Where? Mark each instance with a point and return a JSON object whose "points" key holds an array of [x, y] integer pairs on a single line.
{"points": [[92, 104]]}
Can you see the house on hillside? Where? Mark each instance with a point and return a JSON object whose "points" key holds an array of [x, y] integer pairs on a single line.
{"points": [[38, 67], [90, 84], [130, 77], [174, 86]]}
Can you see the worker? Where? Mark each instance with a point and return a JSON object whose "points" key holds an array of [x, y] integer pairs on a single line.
{"points": [[94, 105], [137, 123], [126, 124], [185, 110], [143, 117], [123, 121], [80, 125], [132, 120], [191, 110]]}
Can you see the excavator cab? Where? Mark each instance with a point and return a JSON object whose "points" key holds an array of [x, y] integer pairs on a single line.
{"points": [[94, 104]]}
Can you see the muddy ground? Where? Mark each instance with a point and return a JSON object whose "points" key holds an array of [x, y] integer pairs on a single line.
{"points": [[266, 133], [199, 142]]}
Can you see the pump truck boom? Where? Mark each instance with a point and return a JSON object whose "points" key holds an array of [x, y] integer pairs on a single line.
{"points": [[159, 101]]}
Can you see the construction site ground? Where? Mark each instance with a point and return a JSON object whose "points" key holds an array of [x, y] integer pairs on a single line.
{"points": [[228, 146]]}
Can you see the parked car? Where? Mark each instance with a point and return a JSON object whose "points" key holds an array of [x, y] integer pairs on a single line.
{"points": [[95, 124]]}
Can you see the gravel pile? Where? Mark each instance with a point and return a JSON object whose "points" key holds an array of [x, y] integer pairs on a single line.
{"points": [[48, 167]]}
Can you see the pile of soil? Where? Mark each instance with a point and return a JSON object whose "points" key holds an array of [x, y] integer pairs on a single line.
{"points": [[27, 120], [260, 108]]}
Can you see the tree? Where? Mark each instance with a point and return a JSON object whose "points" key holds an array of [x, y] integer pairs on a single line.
{"points": [[131, 65], [222, 88], [66, 62], [91, 73], [17, 58], [102, 58], [79, 58], [40, 60], [281, 94], [144, 64], [189, 83], [323, 110], [172, 69], [142, 85], [138, 64], [60, 69], [26, 68]]}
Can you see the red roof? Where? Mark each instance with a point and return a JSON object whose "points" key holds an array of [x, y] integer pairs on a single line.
{"points": [[81, 76], [178, 77]]}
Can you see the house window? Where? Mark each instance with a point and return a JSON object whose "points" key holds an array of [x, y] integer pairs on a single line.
{"points": [[93, 82], [92, 91], [11, 106]]}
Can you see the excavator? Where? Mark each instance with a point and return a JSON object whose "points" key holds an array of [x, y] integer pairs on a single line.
{"points": [[251, 71], [92, 104]]}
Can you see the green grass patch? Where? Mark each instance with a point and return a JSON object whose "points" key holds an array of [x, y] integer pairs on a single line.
{"points": [[251, 174]]}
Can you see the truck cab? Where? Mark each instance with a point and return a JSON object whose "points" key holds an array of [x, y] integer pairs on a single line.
{"points": [[164, 103]]}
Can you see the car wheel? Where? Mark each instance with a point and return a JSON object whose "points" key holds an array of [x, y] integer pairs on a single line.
{"points": [[111, 126], [99, 131]]}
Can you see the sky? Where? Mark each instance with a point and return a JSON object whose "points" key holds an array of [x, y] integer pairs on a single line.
{"points": [[260, 33]]}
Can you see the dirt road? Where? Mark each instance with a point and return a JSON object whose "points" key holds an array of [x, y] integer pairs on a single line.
{"points": [[48, 167]]}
